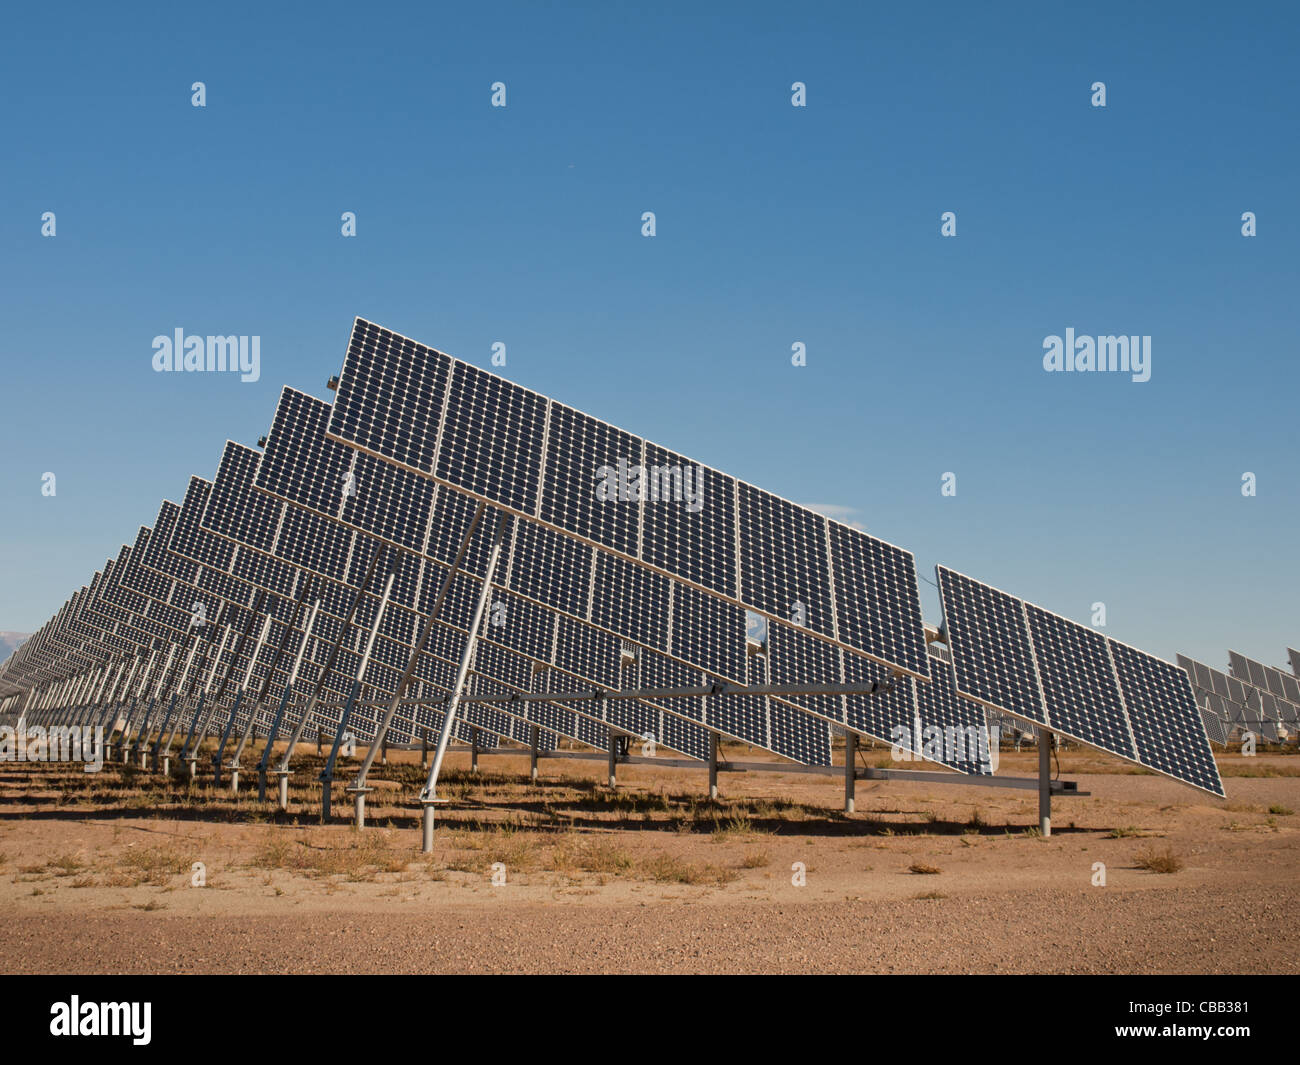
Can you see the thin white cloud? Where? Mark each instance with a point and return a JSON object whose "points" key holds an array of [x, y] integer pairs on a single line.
{"points": [[838, 512]]}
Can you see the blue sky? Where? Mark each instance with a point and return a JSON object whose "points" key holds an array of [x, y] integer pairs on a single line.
{"points": [[776, 225]]}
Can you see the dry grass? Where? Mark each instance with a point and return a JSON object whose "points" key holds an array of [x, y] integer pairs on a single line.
{"points": [[1277, 808], [1154, 861], [665, 869], [155, 865], [358, 858]]}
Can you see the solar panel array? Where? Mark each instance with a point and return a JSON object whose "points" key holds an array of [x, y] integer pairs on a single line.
{"points": [[623, 495], [1253, 698], [625, 566], [1022, 660]]}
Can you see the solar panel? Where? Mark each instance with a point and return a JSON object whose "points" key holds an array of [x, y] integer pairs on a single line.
{"points": [[586, 481], [1294, 657], [954, 729], [1023, 660], [1078, 682], [1165, 723], [698, 539], [1215, 728], [989, 637], [491, 439], [1267, 678], [784, 560], [708, 633]]}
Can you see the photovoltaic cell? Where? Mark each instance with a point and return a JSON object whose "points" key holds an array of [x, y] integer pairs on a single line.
{"points": [[551, 568], [709, 633], [697, 541], [234, 510], [390, 396], [298, 462], [1079, 683], [989, 638], [587, 482], [954, 731], [745, 716], [783, 560], [492, 438], [795, 657], [997, 655], [631, 600], [888, 716], [1166, 725], [190, 539], [877, 602]]}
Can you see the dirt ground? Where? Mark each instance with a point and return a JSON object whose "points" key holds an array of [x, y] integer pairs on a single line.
{"points": [[97, 873]]}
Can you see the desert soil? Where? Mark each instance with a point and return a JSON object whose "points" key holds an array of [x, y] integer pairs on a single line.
{"points": [[97, 873]]}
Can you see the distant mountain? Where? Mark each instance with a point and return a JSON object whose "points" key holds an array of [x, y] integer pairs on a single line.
{"points": [[10, 642]]}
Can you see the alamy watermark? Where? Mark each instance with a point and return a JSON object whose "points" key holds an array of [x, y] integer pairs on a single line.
{"points": [[1083, 354], [61, 743], [79, 1018], [946, 744], [626, 483], [211, 354]]}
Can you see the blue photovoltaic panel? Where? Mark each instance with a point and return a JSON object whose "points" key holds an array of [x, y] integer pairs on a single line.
{"points": [[315, 543], [234, 510], [588, 484], [794, 730], [389, 502], [991, 653], [302, 465], [525, 627], [1280, 685], [689, 520], [795, 656], [190, 538], [551, 568], [298, 463], [954, 731], [630, 600], [157, 556], [492, 438], [745, 716], [887, 715], [390, 396], [1079, 683], [877, 600], [783, 560], [999, 661], [633, 716], [660, 671], [708, 633], [589, 653], [1166, 724]]}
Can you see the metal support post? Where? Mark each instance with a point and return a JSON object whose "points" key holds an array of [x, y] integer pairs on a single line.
{"points": [[1044, 782], [850, 776], [713, 765], [428, 797], [613, 757]]}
